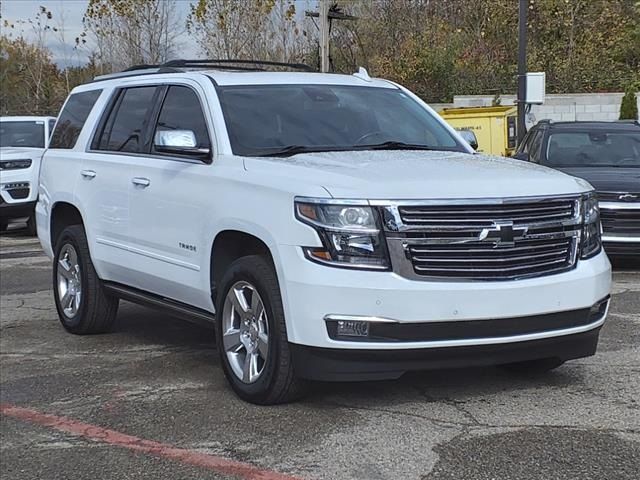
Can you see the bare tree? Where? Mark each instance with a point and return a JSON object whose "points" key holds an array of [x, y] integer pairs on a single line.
{"points": [[241, 29], [127, 32]]}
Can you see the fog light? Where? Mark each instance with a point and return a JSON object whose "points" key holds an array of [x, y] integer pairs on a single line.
{"points": [[598, 310], [352, 328]]}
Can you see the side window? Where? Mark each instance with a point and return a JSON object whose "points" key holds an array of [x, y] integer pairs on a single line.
{"points": [[181, 112], [524, 147], [52, 124], [125, 126], [72, 118], [535, 146]]}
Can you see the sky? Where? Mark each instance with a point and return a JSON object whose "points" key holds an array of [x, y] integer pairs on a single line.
{"points": [[69, 13]]}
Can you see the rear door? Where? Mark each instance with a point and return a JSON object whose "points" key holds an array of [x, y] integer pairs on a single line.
{"points": [[170, 195], [105, 179]]}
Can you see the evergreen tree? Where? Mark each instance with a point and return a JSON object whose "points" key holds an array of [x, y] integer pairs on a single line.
{"points": [[629, 106]]}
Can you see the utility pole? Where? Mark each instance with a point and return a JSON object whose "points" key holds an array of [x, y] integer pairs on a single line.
{"points": [[325, 16], [522, 68], [324, 35]]}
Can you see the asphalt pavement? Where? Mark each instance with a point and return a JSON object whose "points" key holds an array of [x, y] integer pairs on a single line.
{"points": [[149, 401]]}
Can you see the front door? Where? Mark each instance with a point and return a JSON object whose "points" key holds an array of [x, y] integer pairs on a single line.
{"points": [[169, 192]]}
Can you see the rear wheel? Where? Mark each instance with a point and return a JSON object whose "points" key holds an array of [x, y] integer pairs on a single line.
{"points": [[541, 365], [32, 228], [83, 305], [252, 335]]}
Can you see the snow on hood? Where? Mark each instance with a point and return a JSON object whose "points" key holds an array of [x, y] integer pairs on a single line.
{"points": [[402, 174]]}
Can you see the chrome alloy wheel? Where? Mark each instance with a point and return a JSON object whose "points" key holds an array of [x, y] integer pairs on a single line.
{"points": [[245, 331], [69, 281]]}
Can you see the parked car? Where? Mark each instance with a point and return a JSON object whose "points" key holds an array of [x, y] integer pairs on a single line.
{"points": [[333, 227], [607, 155], [22, 143]]}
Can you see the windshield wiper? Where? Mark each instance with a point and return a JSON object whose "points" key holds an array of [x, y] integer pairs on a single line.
{"points": [[290, 150], [393, 145]]}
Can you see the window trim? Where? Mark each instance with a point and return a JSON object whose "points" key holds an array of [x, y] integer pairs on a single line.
{"points": [[107, 119], [156, 117], [109, 105]]}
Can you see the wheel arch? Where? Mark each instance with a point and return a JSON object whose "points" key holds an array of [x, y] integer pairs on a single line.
{"points": [[228, 246], [63, 214]]}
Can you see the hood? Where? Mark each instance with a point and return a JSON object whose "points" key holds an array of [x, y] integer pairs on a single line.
{"points": [[608, 179], [418, 175], [15, 153]]}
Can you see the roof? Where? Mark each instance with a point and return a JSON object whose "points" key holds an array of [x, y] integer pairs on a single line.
{"points": [[225, 78], [621, 125], [227, 72]]}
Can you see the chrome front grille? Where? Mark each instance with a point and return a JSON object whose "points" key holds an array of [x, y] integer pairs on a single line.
{"points": [[621, 222], [481, 216], [487, 239], [483, 260]]}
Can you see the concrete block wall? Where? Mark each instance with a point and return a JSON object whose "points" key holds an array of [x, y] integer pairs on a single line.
{"points": [[559, 107]]}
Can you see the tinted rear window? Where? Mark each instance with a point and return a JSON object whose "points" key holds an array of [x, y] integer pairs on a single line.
{"points": [[72, 119], [22, 134]]}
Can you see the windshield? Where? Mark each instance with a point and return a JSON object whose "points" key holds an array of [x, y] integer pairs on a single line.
{"points": [[22, 134], [277, 119], [594, 149]]}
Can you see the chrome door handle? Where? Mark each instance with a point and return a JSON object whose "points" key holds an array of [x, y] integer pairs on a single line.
{"points": [[88, 174], [141, 182]]}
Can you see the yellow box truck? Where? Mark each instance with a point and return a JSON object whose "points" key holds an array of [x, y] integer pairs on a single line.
{"points": [[494, 127]]}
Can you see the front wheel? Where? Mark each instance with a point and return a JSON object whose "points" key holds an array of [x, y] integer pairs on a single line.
{"points": [[32, 228], [83, 305], [251, 334]]}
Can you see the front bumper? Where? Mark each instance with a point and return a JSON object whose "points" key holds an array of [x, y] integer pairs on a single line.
{"points": [[16, 209], [331, 364], [311, 292]]}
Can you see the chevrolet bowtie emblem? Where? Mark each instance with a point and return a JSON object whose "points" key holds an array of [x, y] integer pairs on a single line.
{"points": [[627, 197], [503, 234]]}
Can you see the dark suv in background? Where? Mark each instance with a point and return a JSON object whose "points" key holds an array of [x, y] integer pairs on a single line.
{"points": [[607, 155]]}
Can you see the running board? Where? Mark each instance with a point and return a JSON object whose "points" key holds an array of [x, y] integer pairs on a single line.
{"points": [[186, 312]]}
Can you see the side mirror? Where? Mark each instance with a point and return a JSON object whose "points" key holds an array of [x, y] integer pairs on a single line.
{"points": [[521, 156], [470, 138], [180, 142]]}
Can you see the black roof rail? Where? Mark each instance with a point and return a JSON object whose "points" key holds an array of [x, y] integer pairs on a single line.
{"points": [[235, 64], [179, 65]]}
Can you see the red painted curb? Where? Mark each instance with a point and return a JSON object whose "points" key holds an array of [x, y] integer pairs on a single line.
{"points": [[112, 437]]}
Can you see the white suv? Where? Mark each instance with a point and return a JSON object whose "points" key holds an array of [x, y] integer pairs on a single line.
{"points": [[22, 143], [333, 226]]}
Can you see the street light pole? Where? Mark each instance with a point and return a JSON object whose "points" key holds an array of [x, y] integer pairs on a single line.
{"points": [[522, 68]]}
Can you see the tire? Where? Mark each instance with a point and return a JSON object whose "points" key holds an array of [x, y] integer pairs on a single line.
{"points": [[32, 228], [95, 310], [542, 365], [276, 382]]}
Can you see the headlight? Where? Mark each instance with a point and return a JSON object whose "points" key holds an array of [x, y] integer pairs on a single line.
{"points": [[15, 164], [591, 229], [350, 235]]}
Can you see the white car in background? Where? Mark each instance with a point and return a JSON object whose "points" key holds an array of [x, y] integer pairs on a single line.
{"points": [[23, 140]]}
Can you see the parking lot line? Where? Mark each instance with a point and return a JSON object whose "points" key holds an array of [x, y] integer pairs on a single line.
{"points": [[163, 450]]}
